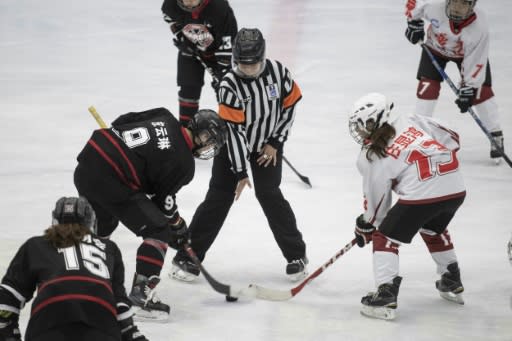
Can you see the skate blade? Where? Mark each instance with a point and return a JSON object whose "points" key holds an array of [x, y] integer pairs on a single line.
{"points": [[142, 315], [497, 161], [299, 276], [382, 313], [180, 275], [450, 296]]}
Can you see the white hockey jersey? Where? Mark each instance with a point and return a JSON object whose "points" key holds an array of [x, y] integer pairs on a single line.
{"points": [[470, 42], [421, 167]]}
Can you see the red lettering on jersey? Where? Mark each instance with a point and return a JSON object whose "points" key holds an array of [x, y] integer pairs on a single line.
{"points": [[441, 39], [402, 141], [409, 7], [459, 48], [478, 69]]}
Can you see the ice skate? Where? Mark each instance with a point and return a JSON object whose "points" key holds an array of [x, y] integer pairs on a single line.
{"points": [[146, 304], [495, 153], [450, 286], [383, 303], [297, 269], [183, 269]]}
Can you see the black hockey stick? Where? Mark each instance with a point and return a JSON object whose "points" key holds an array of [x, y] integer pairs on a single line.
{"points": [[470, 110], [222, 288], [304, 179], [258, 291]]}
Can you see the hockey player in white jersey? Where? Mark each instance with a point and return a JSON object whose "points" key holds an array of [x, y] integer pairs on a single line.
{"points": [[415, 157], [457, 32]]}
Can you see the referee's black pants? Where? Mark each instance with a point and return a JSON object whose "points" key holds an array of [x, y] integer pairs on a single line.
{"points": [[211, 213]]}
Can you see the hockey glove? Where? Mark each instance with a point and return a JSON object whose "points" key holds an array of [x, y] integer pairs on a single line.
{"points": [[466, 95], [363, 231], [180, 235], [415, 31], [9, 329]]}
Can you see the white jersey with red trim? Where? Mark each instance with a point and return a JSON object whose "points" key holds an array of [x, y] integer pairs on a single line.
{"points": [[470, 42], [421, 167]]}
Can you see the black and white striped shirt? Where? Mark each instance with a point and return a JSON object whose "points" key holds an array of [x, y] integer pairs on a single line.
{"points": [[257, 111]]}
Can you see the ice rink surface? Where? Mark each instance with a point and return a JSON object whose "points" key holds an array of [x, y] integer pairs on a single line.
{"points": [[58, 57]]}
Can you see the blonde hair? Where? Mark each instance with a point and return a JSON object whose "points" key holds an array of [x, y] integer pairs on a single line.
{"points": [[65, 235]]}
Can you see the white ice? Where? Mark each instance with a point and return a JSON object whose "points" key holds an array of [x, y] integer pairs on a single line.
{"points": [[58, 57]]}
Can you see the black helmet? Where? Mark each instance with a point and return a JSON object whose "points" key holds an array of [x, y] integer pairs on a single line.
{"points": [[189, 9], [249, 49], [72, 210], [209, 133]]}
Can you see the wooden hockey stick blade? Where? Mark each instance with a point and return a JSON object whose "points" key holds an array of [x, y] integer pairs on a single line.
{"points": [[283, 295], [221, 288]]}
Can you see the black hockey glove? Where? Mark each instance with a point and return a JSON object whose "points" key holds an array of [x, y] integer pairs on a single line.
{"points": [[466, 95], [180, 235], [363, 231], [9, 329], [415, 31]]}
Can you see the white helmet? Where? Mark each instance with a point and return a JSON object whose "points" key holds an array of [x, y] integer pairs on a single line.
{"points": [[368, 114], [459, 10]]}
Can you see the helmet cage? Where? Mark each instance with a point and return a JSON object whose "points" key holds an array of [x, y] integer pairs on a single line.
{"points": [[459, 10], [209, 133], [187, 8]]}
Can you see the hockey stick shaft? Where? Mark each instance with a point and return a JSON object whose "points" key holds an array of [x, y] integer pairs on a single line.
{"points": [[97, 117], [445, 76], [303, 178], [283, 295]]}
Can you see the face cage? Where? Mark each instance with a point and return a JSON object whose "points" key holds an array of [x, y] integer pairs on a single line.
{"points": [[240, 73], [189, 9], [208, 146], [458, 18], [359, 133]]}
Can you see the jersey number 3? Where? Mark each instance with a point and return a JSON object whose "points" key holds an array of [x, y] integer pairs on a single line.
{"points": [[93, 259]]}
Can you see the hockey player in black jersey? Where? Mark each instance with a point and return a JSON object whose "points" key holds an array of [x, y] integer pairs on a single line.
{"points": [[202, 29], [79, 280], [132, 173]]}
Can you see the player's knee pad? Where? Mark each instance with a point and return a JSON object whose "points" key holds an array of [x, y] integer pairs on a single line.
{"points": [[436, 242], [483, 94], [428, 89], [384, 244]]}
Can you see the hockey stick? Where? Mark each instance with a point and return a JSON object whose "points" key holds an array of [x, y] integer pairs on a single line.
{"points": [[304, 179], [258, 291], [283, 295], [470, 110], [97, 117]]}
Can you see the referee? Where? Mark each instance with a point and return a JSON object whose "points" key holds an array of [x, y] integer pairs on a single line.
{"points": [[257, 99]]}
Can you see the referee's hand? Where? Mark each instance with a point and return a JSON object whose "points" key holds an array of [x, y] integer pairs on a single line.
{"points": [[268, 154]]}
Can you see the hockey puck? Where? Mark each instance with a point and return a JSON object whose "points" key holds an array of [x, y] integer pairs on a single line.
{"points": [[231, 298]]}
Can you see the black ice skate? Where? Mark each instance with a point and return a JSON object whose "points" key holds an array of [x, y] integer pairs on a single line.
{"points": [[383, 303], [498, 138], [146, 304], [184, 269], [297, 269], [449, 286]]}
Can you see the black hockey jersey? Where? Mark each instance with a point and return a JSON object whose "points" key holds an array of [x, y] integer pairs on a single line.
{"points": [[82, 283], [211, 28], [148, 151]]}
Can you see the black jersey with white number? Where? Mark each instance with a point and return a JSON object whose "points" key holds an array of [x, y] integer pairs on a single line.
{"points": [[82, 283], [147, 151], [210, 28]]}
